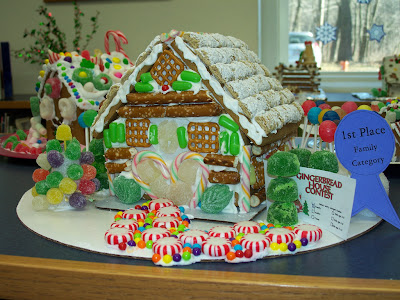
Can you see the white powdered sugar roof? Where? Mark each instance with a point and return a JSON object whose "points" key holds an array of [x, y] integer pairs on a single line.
{"points": [[248, 87], [236, 70], [226, 55]]}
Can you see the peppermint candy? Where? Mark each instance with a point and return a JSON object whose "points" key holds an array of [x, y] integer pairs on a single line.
{"points": [[257, 242], [134, 213], [311, 232], [154, 234], [247, 227], [167, 245], [222, 231], [166, 222], [193, 236], [130, 224], [115, 236], [280, 235], [172, 211], [156, 204], [216, 246]]}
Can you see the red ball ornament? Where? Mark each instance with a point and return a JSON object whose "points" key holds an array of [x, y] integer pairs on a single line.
{"points": [[307, 105], [327, 131]]}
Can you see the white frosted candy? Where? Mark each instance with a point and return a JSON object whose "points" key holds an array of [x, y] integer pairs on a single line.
{"points": [[159, 187], [167, 137], [180, 193], [40, 203], [187, 171], [148, 171], [42, 161]]}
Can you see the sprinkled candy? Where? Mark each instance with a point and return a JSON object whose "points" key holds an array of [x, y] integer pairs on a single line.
{"points": [[39, 175], [77, 200], [53, 179], [55, 158], [75, 172], [54, 196], [40, 203], [86, 187]]}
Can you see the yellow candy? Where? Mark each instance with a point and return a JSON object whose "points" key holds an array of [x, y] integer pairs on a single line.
{"points": [[68, 54], [297, 243], [393, 101], [120, 213], [140, 224], [34, 192], [54, 196], [46, 61], [41, 73], [82, 74], [62, 53], [67, 185], [167, 258], [116, 60], [274, 246], [283, 247], [321, 115], [137, 240], [117, 67], [63, 133], [238, 237], [364, 106], [262, 224]]}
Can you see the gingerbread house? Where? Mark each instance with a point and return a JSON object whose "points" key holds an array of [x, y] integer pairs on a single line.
{"points": [[204, 98], [390, 74]]}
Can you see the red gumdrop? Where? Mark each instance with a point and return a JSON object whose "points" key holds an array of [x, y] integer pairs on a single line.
{"points": [[17, 136], [86, 187], [375, 108], [86, 54], [327, 131], [325, 106], [307, 105], [39, 175], [19, 148], [349, 106], [55, 84], [89, 172]]}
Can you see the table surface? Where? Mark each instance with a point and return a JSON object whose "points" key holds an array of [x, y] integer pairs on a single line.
{"points": [[366, 266]]}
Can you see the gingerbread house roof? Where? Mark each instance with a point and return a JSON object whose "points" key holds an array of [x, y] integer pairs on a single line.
{"points": [[231, 73]]}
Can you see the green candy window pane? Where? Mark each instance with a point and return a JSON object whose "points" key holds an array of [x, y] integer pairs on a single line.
{"points": [[282, 190], [284, 164]]}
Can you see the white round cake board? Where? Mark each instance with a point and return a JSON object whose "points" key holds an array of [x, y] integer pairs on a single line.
{"points": [[85, 229]]}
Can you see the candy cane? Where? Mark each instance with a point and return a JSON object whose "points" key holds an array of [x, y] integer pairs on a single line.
{"points": [[204, 174], [118, 37], [244, 202], [145, 154]]}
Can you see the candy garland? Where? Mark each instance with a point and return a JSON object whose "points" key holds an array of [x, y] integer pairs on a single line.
{"points": [[118, 37], [204, 174], [167, 37], [244, 202]]}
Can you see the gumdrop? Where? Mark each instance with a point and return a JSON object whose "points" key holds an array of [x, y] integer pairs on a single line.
{"points": [[187, 171], [55, 158], [127, 190], [40, 203], [96, 183], [21, 134], [103, 178], [63, 133], [180, 193], [303, 156], [42, 161], [75, 172], [282, 189], [216, 198], [67, 186], [167, 138], [89, 172], [282, 213], [42, 187], [283, 164], [89, 116], [324, 160], [86, 187], [159, 187], [53, 145], [39, 175], [86, 158], [54, 178], [99, 159], [96, 147], [34, 192], [148, 171], [100, 167], [73, 151], [54, 196], [77, 200]]}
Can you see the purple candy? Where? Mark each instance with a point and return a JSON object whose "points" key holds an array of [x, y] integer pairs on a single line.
{"points": [[131, 243], [291, 247], [86, 158], [145, 225], [96, 183], [55, 158], [77, 200], [144, 207], [304, 241], [196, 251], [68, 59], [177, 257]]}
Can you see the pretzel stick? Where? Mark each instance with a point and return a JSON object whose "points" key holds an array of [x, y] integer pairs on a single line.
{"points": [[120, 153], [221, 160], [171, 97], [224, 177], [113, 168]]}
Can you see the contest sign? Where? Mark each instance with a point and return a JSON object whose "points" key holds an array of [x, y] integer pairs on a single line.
{"points": [[364, 145]]}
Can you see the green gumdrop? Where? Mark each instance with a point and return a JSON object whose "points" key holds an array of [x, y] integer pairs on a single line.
{"points": [[146, 77], [15, 144], [282, 213], [303, 155], [181, 85], [381, 104], [100, 167], [53, 179], [102, 82], [190, 76], [375, 92], [42, 187], [87, 64], [75, 172], [88, 117], [324, 160], [141, 87], [35, 106], [127, 190], [216, 198], [53, 145], [103, 178], [383, 93], [88, 75], [96, 147], [11, 138], [100, 159], [48, 89], [282, 189], [73, 151], [73, 140], [22, 135], [283, 164]]}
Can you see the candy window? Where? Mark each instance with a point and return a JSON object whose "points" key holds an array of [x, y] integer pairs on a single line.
{"points": [[136, 132], [167, 68], [203, 137]]}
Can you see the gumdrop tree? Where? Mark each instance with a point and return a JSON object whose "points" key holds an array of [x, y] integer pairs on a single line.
{"points": [[305, 208]]}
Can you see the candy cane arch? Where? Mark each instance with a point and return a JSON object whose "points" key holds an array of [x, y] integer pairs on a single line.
{"points": [[145, 154], [118, 37], [244, 202], [204, 174]]}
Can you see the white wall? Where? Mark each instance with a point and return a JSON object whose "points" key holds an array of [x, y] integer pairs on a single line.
{"points": [[139, 20]]}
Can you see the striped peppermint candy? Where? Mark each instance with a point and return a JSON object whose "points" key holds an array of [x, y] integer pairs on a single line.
{"points": [[193, 236], [156, 204], [247, 227], [167, 245], [222, 231], [280, 235], [166, 222], [311, 232], [257, 242], [134, 213], [171, 211], [216, 246], [154, 234], [130, 224], [115, 236]]}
